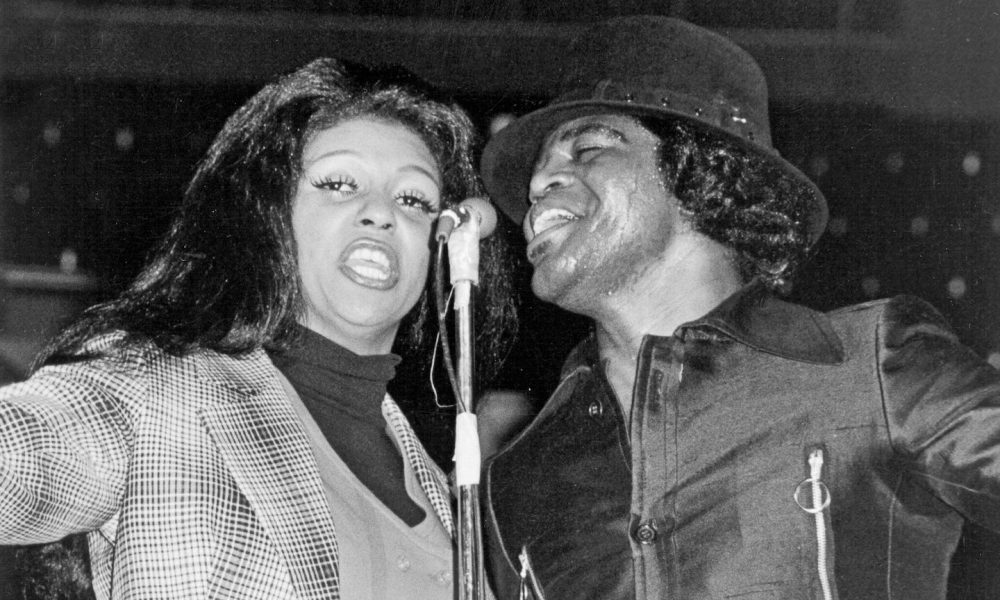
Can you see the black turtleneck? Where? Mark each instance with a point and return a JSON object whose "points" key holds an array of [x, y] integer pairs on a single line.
{"points": [[343, 392]]}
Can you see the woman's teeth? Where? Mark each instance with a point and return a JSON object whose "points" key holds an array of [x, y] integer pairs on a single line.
{"points": [[370, 255], [370, 263], [370, 272]]}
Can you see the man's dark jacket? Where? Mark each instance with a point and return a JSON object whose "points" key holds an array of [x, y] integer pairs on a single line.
{"points": [[763, 436]]}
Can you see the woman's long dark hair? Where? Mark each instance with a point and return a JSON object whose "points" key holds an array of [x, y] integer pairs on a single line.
{"points": [[738, 199], [225, 276]]}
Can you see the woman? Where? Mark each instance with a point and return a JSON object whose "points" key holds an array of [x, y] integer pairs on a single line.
{"points": [[222, 428]]}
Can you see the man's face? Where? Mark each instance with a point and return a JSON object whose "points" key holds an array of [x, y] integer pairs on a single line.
{"points": [[601, 215]]}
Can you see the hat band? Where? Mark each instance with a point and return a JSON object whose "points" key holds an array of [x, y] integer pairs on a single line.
{"points": [[717, 114]]}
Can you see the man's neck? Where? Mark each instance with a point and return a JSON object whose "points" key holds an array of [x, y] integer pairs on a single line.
{"points": [[658, 305]]}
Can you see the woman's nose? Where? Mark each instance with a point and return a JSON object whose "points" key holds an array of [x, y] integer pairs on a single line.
{"points": [[378, 211], [548, 177]]}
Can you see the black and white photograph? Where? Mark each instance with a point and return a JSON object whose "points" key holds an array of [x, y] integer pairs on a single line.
{"points": [[500, 299]]}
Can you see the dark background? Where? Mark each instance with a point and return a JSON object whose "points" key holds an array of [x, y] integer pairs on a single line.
{"points": [[891, 106]]}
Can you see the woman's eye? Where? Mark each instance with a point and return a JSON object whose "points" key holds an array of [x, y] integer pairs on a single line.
{"points": [[415, 199], [341, 184]]}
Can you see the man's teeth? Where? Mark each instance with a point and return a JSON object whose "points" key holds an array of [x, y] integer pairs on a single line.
{"points": [[551, 218], [370, 255]]}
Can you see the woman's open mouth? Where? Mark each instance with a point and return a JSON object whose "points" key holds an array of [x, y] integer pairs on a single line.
{"points": [[371, 264]]}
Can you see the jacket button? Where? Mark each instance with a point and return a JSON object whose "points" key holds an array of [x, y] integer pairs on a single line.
{"points": [[443, 578], [595, 409], [646, 533], [403, 563]]}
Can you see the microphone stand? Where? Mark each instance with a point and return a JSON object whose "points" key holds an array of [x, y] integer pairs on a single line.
{"points": [[463, 257]]}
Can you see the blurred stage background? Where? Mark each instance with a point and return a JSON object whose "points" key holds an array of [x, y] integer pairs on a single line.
{"points": [[892, 106]]}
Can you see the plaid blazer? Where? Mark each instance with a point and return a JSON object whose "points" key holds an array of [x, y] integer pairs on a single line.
{"points": [[192, 474]]}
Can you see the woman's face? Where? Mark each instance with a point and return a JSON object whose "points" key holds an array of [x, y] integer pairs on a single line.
{"points": [[362, 214]]}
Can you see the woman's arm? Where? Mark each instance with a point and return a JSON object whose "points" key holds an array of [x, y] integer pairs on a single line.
{"points": [[65, 442]]}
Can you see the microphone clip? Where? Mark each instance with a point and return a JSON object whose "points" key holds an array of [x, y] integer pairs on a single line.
{"points": [[474, 213], [449, 220]]}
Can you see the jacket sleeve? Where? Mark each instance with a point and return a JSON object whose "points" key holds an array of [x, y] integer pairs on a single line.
{"points": [[65, 442], [942, 404]]}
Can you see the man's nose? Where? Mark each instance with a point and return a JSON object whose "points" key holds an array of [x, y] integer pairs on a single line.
{"points": [[549, 177]]}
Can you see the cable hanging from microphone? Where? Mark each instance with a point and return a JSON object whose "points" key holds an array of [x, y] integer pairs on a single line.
{"points": [[480, 215], [442, 315]]}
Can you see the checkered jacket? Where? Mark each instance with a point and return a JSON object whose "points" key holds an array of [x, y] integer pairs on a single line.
{"points": [[193, 475]]}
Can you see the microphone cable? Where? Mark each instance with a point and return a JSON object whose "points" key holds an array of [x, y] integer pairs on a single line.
{"points": [[442, 314]]}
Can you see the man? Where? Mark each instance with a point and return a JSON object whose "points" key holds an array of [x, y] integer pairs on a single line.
{"points": [[710, 440]]}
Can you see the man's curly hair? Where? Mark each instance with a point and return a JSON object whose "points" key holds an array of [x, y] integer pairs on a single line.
{"points": [[737, 198]]}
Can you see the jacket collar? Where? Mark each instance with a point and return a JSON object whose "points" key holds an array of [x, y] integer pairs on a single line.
{"points": [[264, 445], [261, 440], [756, 318]]}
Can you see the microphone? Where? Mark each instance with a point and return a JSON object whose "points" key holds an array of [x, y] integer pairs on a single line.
{"points": [[452, 218]]}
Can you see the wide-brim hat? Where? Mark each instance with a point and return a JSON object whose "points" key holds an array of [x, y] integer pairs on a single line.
{"points": [[648, 66]]}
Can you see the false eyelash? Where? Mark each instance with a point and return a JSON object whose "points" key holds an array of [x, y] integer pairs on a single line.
{"points": [[328, 183]]}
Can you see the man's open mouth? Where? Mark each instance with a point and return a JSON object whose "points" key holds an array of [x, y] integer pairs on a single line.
{"points": [[550, 218]]}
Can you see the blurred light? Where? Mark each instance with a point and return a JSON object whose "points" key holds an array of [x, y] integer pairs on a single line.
{"points": [[68, 260], [919, 226], [994, 359], [995, 224], [51, 134], [837, 226], [124, 138], [819, 166], [499, 122], [22, 194], [971, 164], [870, 286], [894, 162], [957, 288]]}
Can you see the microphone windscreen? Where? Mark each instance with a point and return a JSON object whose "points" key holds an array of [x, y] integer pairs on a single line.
{"points": [[485, 213]]}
